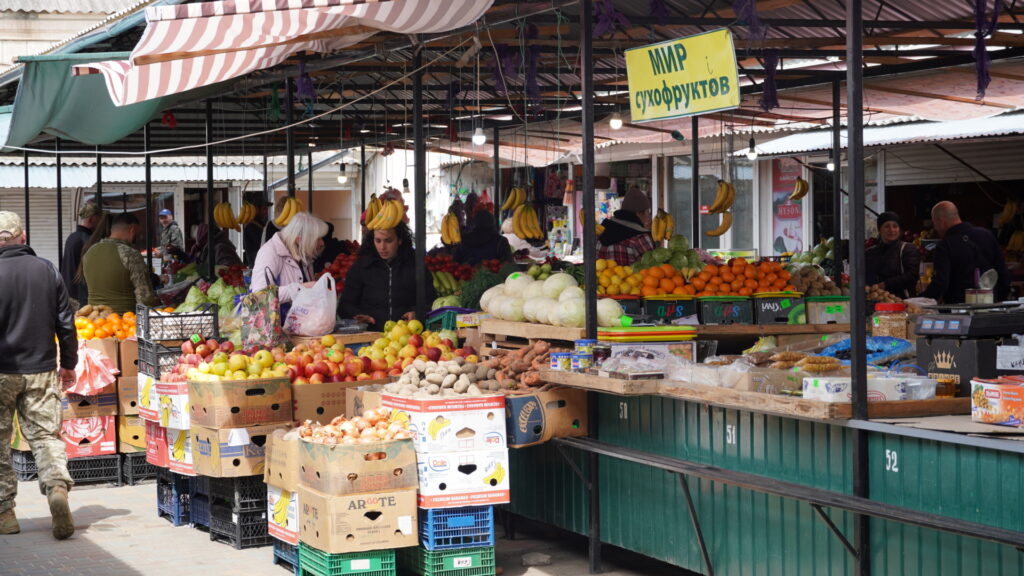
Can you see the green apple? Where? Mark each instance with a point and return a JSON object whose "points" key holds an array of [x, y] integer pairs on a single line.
{"points": [[415, 326], [388, 326], [204, 367], [263, 358], [238, 361], [240, 375], [219, 368], [254, 369], [381, 343]]}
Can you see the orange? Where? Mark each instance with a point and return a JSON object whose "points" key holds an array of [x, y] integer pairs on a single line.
{"points": [[99, 322], [679, 290], [750, 272], [102, 332], [705, 276], [716, 281], [736, 284], [746, 291], [666, 285], [679, 280], [727, 276], [711, 269], [114, 317], [789, 288], [699, 283], [784, 275], [750, 283], [772, 278], [656, 272], [121, 335], [81, 322], [689, 289], [649, 291], [668, 269], [87, 333], [650, 281]]}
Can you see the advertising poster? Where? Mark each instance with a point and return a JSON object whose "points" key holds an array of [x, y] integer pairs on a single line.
{"points": [[787, 216]]}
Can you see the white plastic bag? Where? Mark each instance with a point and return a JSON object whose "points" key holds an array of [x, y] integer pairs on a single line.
{"points": [[313, 309]]}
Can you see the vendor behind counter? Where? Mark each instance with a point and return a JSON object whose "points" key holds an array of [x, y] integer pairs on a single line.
{"points": [[892, 264]]}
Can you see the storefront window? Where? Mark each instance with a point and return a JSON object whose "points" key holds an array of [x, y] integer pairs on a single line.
{"points": [[741, 235]]}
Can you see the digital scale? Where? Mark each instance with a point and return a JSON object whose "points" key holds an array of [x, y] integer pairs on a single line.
{"points": [[972, 320]]}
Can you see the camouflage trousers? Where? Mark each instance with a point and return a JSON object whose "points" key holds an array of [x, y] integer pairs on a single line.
{"points": [[37, 400]]}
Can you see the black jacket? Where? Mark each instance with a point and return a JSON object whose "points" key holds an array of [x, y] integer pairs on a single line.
{"points": [[897, 264], [383, 290], [620, 227], [965, 250], [480, 245], [69, 264], [33, 307]]}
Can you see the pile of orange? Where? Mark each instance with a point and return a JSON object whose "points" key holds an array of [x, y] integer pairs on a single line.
{"points": [[117, 326], [735, 278]]}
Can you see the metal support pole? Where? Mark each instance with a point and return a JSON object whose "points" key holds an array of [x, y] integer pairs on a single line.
{"points": [[209, 271], [858, 329], [266, 181], [362, 177], [309, 174], [496, 196], [289, 135], [28, 233], [99, 178], [60, 205], [147, 144], [837, 184], [696, 526], [695, 181], [420, 196], [590, 259]]}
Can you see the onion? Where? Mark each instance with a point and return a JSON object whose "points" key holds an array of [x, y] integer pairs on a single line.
{"points": [[348, 441], [361, 424]]}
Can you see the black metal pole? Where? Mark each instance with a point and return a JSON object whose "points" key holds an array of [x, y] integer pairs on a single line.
{"points": [[289, 135], [60, 205], [147, 144], [837, 184], [590, 261], [209, 191], [858, 328], [695, 181], [266, 180], [420, 201], [497, 175], [362, 176], [309, 174], [28, 233], [99, 178]]}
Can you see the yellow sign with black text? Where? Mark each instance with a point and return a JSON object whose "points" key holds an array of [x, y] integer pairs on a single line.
{"points": [[683, 77]]}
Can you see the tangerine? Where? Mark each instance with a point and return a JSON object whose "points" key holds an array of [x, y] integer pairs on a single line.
{"points": [[711, 269], [657, 272], [650, 281], [666, 285]]}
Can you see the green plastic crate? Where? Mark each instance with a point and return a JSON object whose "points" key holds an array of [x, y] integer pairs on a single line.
{"points": [[460, 562], [319, 563]]}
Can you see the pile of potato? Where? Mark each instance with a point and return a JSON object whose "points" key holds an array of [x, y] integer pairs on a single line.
{"points": [[96, 312], [881, 295], [812, 282], [452, 378]]}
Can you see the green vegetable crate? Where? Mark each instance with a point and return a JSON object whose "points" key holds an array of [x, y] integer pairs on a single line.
{"points": [[779, 308], [724, 310], [315, 562], [670, 307], [828, 309], [459, 562]]}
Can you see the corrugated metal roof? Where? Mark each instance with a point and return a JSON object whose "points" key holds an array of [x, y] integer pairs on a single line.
{"points": [[65, 6], [1003, 125], [85, 177]]}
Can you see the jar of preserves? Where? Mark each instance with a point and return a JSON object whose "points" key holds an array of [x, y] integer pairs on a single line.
{"points": [[890, 319]]}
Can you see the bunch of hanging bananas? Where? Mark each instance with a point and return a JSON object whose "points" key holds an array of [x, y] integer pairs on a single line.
{"points": [[1009, 211], [384, 214], [516, 198], [450, 232], [1016, 243], [725, 195], [292, 206], [800, 189], [598, 228], [663, 226], [723, 227], [246, 214], [525, 223], [225, 217]]}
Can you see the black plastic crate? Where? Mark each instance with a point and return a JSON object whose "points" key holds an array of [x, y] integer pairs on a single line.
{"points": [[24, 465], [781, 309], [199, 510], [244, 494], [201, 486], [172, 498], [136, 469], [239, 529], [287, 555], [725, 310], [154, 358], [158, 326]]}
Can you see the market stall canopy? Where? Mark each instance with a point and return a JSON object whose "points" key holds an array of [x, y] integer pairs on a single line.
{"points": [[194, 45], [12, 176]]}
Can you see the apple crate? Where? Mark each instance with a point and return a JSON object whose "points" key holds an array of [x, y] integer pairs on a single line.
{"points": [[154, 325]]}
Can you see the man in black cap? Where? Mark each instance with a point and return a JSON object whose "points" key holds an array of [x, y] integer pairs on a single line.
{"points": [[892, 264], [252, 234]]}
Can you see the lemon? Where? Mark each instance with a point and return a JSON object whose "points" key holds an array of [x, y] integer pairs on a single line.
{"points": [[601, 265]]}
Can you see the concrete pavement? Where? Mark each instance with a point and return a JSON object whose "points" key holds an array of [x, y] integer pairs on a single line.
{"points": [[118, 533]]}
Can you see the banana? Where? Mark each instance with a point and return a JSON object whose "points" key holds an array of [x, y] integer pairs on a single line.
{"points": [[147, 388], [286, 213], [387, 217], [450, 233], [1009, 211], [533, 222], [723, 227], [670, 226], [246, 214], [730, 198], [509, 200], [372, 209], [178, 451], [800, 189], [517, 223], [495, 478], [281, 508], [721, 192]]}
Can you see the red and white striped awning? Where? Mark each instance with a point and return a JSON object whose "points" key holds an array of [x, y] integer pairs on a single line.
{"points": [[192, 45]]}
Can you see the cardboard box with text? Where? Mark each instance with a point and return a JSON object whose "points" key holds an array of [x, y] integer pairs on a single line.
{"points": [[358, 522], [231, 452], [340, 469], [237, 403]]}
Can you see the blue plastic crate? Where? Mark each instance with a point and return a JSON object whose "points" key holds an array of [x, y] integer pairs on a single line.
{"points": [[287, 555], [199, 510], [172, 503], [451, 528]]}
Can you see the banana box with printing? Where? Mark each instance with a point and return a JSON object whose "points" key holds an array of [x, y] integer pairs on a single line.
{"points": [[454, 479], [230, 452], [454, 424], [179, 452], [283, 514]]}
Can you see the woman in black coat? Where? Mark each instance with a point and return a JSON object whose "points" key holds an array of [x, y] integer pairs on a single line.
{"points": [[381, 285], [892, 264]]}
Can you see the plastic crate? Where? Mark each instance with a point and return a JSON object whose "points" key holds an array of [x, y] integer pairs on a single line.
{"points": [[442, 319], [199, 510], [201, 486], [715, 310], [172, 497], [135, 468], [239, 529], [778, 308], [287, 555], [450, 528], [24, 465], [315, 562], [461, 562], [243, 494], [154, 358], [670, 307], [157, 326]]}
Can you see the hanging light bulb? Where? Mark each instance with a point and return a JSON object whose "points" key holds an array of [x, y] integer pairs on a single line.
{"points": [[831, 161], [342, 176], [616, 122], [751, 152], [479, 138], [405, 186]]}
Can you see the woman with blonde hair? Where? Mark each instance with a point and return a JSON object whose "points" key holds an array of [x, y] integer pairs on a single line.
{"points": [[287, 258]]}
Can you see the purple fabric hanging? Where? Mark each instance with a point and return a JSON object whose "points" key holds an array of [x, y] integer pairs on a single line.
{"points": [[508, 60], [304, 84], [452, 94], [769, 93], [746, 13], [658, 10], [607, 17], [980, 48]]}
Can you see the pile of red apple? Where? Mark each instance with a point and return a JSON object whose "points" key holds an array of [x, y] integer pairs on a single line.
{"points": [[233, 275], [213, 360], [445, 263], [339, 269]]}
